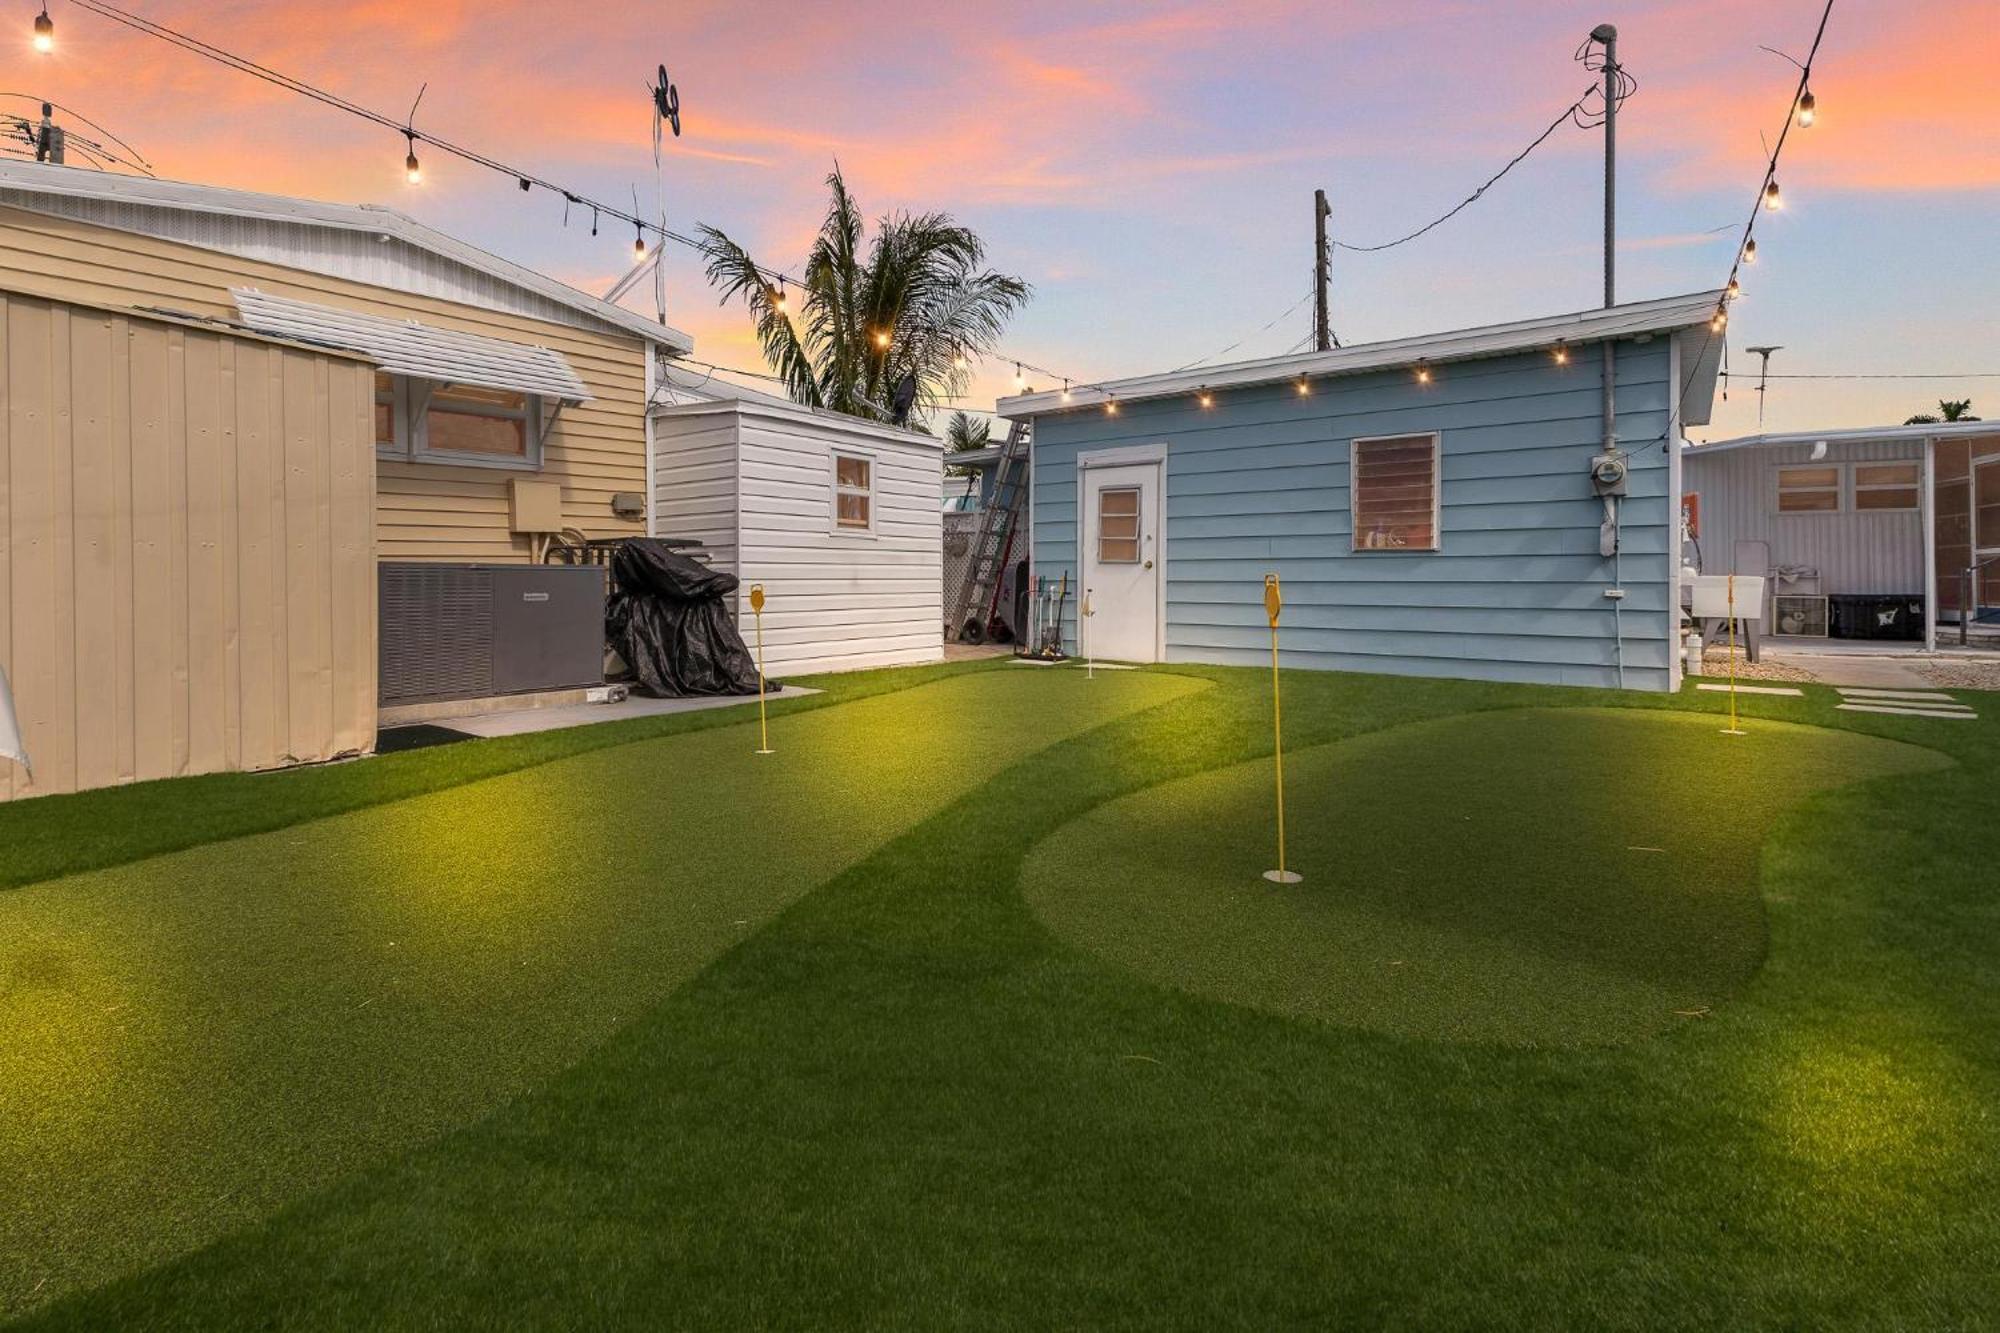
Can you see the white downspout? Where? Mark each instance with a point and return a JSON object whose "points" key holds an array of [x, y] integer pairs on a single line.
{"points": [[652, 354]]}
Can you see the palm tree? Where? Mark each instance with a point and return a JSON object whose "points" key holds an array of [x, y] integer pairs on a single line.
{"points": [[1951, 411], [904, 321], [964, 433]]}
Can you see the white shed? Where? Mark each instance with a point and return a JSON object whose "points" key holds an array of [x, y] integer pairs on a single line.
{"points": [[837, 517]]}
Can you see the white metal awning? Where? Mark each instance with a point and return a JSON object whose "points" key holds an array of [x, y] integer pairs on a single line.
{"points": [[405, 347]]}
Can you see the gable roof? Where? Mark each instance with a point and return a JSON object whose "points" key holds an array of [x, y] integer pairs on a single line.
{"points": [[1671, 314], [107, 199]]}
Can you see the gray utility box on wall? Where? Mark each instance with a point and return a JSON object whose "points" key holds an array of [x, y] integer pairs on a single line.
{"points": [[452, 631]]}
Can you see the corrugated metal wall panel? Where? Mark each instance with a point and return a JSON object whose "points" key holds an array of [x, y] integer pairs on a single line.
{"points": [[595, 450], [1259, 483], [1853, 552], [186, 549]]}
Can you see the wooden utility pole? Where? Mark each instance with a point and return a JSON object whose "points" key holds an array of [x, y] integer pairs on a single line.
{"points": [[1322, 322]]}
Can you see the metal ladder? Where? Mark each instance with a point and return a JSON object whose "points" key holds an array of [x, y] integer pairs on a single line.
{"points": [[979, 592]]}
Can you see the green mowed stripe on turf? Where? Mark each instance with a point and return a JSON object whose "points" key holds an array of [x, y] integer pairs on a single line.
{"points": [[1526, 877], [189, 1042]]}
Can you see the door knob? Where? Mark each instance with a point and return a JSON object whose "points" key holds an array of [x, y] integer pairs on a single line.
{"points": [[1149, 564]]}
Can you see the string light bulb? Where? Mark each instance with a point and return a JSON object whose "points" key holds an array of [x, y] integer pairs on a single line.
{"points": [[1720, 320], [413, 170], [1423, 372], [1735, 289], [779, 300], [1305, 386], [1750, 251], [1065, 391], [1808, 109], [1204, 397], [1772, 199], [882, 338], [1020, 380], [958, 362], [45, 31], [1111, 406], [1562, 352], [638, 241]]}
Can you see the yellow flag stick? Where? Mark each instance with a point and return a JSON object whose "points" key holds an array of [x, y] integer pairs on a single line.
{"points": [[763, 726], [1273, 602], [1732, 729]]}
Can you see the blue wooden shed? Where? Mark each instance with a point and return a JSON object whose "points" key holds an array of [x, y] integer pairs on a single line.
{"points": [[1432, 505]]}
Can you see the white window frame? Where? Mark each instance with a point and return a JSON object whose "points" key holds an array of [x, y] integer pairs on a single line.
{"points": [[1138, 516], [410, 421], [1839, 489], [1856, 486], [1354, 545], [834, 491]]}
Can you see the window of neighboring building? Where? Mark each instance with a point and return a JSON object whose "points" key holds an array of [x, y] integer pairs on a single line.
{"points": [[419, 421], [388, 418], [1394, 488], [853, 493], [483, 423], [1885, 486], [1809, 490], [1118, 525]]}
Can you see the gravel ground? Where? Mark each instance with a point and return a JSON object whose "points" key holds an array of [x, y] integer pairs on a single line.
{"points": [[1716, 665], [1961, 675]]}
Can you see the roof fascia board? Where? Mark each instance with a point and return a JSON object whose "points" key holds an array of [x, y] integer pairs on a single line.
{"points": [[794, 412], [1942, 430], [1638, 319]]}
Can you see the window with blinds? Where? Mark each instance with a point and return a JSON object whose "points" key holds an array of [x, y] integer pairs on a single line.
{"points": [[1394, 486]]}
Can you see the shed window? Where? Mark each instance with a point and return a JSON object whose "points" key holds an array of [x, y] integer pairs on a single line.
{"points": [[853, 493], [1395, 493], [1118, 525], [1885, 486], [1809, 490]]}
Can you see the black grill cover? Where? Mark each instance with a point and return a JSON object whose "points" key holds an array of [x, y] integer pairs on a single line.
{"points": [[668, 620]]}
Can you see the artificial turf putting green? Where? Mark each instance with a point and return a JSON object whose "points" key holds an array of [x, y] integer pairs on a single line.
{"points": [[192, 1041], [905, 1103], [1526, 876]]}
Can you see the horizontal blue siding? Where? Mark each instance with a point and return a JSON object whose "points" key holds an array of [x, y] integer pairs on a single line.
{"points": [[1259, 484]]}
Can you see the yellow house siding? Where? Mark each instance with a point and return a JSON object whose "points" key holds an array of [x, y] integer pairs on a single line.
{"points": [[187, 573], [424, 511]]}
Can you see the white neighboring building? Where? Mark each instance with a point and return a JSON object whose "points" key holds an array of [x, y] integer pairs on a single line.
{"points": [[837, 517]]}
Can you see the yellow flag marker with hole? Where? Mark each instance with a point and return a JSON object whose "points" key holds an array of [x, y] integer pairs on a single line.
{"points": [[1732, 729], [1273, 603], [757, 610], [1089, 661]]}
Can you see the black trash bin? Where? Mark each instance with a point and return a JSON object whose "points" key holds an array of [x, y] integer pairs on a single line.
{"points": [[1875, 616]]}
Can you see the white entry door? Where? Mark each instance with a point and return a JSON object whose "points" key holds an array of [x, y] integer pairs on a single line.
{"points": [[1124, 558]]}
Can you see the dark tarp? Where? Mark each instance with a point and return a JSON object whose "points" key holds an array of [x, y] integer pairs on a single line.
{"points": [[667, 618]]}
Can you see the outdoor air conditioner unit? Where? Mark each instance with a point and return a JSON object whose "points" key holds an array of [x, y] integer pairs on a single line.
{"points": [[1799, 615], [463, 631]]}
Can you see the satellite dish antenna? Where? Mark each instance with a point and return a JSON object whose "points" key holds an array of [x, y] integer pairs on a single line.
{"points": [[905, 398], [667, 101]]}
